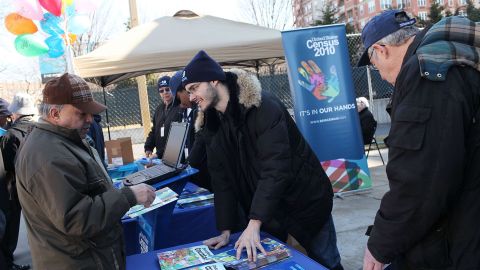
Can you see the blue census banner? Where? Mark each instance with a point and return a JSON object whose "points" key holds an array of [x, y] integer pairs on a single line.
{"points": [[325, 109]]}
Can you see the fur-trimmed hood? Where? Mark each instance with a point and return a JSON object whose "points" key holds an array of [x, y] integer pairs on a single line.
{"points": [[249, 95]]}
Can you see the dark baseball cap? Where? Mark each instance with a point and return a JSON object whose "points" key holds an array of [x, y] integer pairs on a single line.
{"points": [[71, 89], [163, 81], [380, 26], [4, 108]]}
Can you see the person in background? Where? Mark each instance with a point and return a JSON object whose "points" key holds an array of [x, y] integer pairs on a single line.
{"points": [[258, 159], [72, 211], [429, 217], [95, 133], [23, 110], [367, 122], [166, 113], [5, 115], [3, 221], [195, 152]]}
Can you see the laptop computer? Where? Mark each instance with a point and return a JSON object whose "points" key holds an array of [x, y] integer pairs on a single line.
{"points": [[171, 160]]}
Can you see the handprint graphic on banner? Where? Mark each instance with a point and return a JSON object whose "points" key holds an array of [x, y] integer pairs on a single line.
{"points": [[318, 84]]}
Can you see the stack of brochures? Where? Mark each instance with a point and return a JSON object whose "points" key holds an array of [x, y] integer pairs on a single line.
{"points": [[200, 257], [188, 258], [163, 197], [192, 198]]}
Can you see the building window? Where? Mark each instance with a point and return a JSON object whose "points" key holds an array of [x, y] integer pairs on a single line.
{"points": [[362, 24], [371, 6], [360, 9], [440, 2], [403, 4], [462, 2], [422, 15], [421, 3], [450, 2], [386, 4]]}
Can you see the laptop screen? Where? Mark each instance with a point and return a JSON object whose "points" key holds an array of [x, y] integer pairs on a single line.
{"points": [[175, 143]]}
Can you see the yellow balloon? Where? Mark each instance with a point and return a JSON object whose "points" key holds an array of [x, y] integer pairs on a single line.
{"points": [[65, 4], [72, 38]]}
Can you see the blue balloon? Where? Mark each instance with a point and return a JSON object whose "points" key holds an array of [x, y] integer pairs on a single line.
{"points": [[51, 24], [78, 24], [70, 10], [56, 46]]}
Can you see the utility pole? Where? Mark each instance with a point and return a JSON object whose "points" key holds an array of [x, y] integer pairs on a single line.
{"points": [[141, 80]]}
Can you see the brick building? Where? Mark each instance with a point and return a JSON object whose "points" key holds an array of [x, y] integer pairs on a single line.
{"points": [[359, 12]]}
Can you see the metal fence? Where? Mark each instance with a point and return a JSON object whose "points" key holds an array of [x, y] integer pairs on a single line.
{"points": [[124, 107]]}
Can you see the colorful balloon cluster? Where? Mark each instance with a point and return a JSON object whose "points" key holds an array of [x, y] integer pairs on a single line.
{"points": [[58, 19]]}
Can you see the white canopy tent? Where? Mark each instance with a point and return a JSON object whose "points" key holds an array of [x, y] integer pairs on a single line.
{"points": [[168, 43]]}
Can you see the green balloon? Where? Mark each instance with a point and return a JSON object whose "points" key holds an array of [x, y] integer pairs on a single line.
{"points": [[28, 45]]}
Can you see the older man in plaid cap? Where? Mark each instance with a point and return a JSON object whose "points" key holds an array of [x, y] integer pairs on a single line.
{"points": [[72, 211], [428, 219]]}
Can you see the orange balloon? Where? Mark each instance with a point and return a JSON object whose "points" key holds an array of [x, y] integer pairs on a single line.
{"points": [[19, 25], [72, 38]]}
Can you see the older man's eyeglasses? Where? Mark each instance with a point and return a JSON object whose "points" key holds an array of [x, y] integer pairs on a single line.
{"points": [[162, 90], [372, 66]]}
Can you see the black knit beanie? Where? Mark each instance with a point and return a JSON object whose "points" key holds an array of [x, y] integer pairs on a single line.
{"points": [[202, 68]]}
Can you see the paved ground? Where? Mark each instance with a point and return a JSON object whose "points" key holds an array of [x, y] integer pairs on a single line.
{"points": [[352, 214]]}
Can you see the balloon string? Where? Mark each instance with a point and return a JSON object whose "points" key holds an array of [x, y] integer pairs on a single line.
{"points": [[68, 50]]}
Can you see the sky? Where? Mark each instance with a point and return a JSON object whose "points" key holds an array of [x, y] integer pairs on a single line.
{"points": [[19, 67]]}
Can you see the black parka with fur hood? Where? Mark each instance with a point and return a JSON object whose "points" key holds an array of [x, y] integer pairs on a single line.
{"points": [[259, 160]]}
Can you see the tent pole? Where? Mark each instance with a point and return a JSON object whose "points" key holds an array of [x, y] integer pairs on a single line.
{"points": [[106, 113]]}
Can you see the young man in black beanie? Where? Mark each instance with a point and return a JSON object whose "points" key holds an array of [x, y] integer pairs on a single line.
{"points": [[258, 160]]}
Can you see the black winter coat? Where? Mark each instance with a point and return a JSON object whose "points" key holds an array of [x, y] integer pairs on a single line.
{"points": [[429, 218], [163, 117], [258, 160], [96, 133], [368, 125], [9, 145]]}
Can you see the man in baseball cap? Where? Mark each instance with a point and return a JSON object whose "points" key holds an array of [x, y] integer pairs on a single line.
{"points": [[427, 220], [5, 114], [165, 113], [69, 203]]}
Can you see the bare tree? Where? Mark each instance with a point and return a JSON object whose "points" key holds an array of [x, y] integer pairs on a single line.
{"points": [[277, 14], [102, 25]]}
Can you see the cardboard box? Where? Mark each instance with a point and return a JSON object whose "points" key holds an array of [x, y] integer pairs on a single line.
{"points": [[119, 151]]}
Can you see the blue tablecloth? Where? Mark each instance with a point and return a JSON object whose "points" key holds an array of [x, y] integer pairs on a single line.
{"points": [[146, 232], [190, 224], [149, 260]]}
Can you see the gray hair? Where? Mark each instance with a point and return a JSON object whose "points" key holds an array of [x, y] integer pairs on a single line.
{"points": [[397, 38], [363, 100], [44, 109]]}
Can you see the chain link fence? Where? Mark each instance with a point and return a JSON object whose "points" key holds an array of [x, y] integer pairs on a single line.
{"points": [[123, 103]]}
